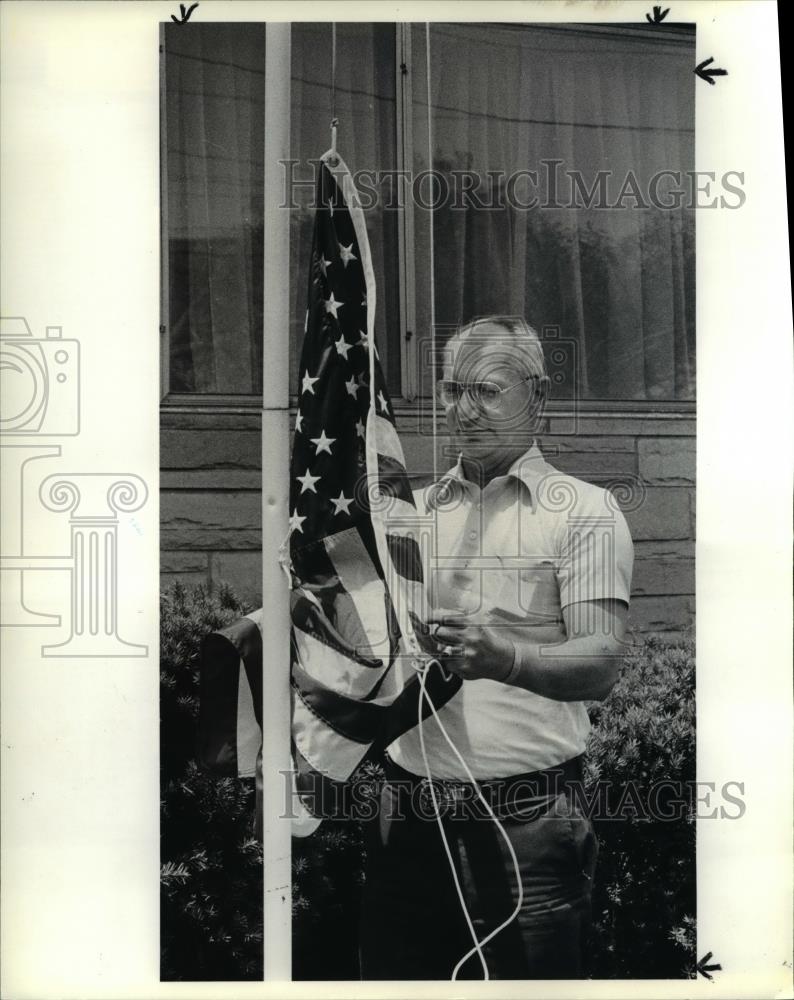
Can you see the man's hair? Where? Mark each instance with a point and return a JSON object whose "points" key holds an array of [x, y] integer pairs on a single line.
{"points": [[517, 341]]}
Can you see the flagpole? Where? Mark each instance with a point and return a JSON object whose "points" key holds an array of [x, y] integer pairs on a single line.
{"points": [[277, 903]]}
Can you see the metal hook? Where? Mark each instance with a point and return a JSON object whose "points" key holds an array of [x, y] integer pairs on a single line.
{"points": [[333, 159]]}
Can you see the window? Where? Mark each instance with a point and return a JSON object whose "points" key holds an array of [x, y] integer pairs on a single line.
{"points": [[213, 200], [592, 122], [618, 283], [366, 106]]}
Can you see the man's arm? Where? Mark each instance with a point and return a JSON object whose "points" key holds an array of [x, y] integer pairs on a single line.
{"points": [[586, 665], [583, 667]]}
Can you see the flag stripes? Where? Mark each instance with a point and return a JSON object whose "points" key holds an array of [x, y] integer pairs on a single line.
{"points": [[309, 619], [366, 723], [355, 658], [230, 699]]}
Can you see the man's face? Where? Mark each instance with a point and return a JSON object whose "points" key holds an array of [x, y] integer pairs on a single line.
{"points": [[486, 423]]}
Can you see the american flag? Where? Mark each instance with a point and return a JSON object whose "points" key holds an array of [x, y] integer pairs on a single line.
{"points": [[355, 535], [229, 732]]}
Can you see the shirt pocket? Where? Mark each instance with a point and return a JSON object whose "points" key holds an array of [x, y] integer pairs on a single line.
{"points": [[539, 593]]}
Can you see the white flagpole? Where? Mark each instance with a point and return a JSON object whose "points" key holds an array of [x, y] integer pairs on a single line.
{"points": [[277, 904]]}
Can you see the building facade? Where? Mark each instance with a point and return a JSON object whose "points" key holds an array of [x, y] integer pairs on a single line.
{"points": [[555, 163]]}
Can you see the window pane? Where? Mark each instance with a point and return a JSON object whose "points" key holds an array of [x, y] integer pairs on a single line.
{"points": [[366, 108], [615, 283], [214, 148], [214, 80]]}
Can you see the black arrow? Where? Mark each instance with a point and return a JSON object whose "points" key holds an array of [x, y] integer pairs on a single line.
{"points": [[658, 15], [185, 14], [707, 74], [706, 970]]}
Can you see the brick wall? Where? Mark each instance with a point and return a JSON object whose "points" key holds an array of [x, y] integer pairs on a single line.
{"points": [[210, 497]]}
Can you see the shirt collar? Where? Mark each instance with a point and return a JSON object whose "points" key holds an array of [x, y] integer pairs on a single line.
{"points": [[528, 469]]}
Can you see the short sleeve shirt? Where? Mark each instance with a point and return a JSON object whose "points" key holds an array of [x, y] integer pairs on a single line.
{"points": [[512, 556]]}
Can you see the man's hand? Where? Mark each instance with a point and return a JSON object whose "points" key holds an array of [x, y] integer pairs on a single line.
{"points": [[471, 651], [581, 667]]}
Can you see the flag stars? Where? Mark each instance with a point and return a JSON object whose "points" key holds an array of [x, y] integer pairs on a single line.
{"points": [[331, 305], [342, 347], [352, 386], [307, 481], [307, 384], [298, 421], [364, 342], [346, 253], [324, 264], [341, 503], [383, 404], [296, 521], [360, 428], [322, 443]]}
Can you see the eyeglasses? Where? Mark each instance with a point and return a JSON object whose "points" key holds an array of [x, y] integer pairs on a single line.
{"points": [[485, 394]]}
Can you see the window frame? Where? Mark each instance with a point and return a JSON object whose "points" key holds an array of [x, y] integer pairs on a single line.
{"points": [[165, 290], [409, 404]]}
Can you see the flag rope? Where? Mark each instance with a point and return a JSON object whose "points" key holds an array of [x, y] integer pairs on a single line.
{"points": [[431, 243], [334, 119], [477, 949], [423, 694]]}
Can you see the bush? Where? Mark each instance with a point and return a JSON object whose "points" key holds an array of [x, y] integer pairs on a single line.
{"points": [[327, 880], [645, 887], [211, 862], [644, 899]]}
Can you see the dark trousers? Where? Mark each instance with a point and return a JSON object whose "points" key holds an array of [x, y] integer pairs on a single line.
{"points": [[412, 924]]}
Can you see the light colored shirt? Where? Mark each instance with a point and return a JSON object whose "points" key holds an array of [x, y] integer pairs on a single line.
{"points": [[512, 556]]}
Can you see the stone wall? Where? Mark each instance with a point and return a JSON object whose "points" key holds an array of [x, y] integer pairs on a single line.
{"points": [[210, 496]]}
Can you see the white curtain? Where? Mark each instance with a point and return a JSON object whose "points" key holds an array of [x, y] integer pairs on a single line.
{"points": [[617, 282], [215, 163], [214, 202]]}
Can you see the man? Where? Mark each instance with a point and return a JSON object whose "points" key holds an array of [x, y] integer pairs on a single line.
{"points": [[530, 589]]}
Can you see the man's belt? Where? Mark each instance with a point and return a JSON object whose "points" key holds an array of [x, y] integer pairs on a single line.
{"points": [[519, 796]]}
